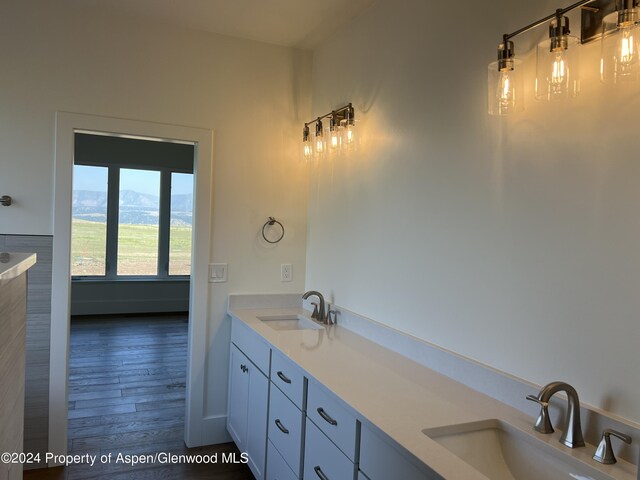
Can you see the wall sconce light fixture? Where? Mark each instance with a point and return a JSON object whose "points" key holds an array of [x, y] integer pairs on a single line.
{"points": [[339, 135], [614, 22]]}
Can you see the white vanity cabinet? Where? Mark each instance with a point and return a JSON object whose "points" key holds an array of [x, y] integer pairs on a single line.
{"points": [[293, 427], [249, 395]]}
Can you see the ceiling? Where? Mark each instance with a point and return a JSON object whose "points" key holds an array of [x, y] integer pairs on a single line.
{"points": [[290, 23]]}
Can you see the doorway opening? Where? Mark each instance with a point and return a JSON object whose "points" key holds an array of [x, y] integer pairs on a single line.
{"points": [[131, 239], [201, 140]]}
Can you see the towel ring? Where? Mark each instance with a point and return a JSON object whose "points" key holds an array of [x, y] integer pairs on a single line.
{"points": [[270, 223]]}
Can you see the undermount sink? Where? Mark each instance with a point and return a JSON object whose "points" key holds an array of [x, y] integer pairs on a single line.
{"points": [[502, 452], [289, 322]]}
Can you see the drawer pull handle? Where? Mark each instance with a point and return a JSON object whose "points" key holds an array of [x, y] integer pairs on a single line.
{"points": [[326, 417], [283, 377], [281, 427], [320, 473]]}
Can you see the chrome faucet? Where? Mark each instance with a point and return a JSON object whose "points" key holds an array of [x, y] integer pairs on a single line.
{"points": [[572, 433], [318, 311]]}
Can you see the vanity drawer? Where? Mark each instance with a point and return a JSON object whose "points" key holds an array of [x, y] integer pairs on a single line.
{"points": [[277, 468], [288, 377], [252, 345], [323, 460], [330, 414], [286, 429]]}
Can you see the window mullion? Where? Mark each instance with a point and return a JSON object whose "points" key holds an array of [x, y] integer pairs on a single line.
{"points": [[113, 207], [164, 223]]}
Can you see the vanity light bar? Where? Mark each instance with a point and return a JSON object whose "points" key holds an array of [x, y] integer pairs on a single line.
{"points": [[505, 81], [340, 131]]}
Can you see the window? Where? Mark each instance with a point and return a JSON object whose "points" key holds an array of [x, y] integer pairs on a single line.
{"points": [[138, 222], [132, 209], [89, 227], [180, 224]]}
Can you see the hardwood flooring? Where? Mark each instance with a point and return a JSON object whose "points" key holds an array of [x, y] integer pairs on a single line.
{"points": [[126, 396]]}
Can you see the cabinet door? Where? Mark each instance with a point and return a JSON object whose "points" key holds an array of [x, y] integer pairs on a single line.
{"points": [[257, 408], [247, 411], [380, 459], [238, 398]]}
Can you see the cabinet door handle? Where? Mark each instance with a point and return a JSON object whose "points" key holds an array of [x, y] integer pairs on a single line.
{"points": [[281, 427], [320, 473], [283, 377], [244, 368], [326, 417]]}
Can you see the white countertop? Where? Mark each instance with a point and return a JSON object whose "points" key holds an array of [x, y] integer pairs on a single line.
{"points": [[399, 396], [15, 264]]}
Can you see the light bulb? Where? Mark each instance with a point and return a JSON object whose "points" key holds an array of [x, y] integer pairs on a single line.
{"points": [[334, 139], [334, 134], [627, 56], [319, 139], [307, 150], [558, 71], [505, 94], [349, 134]]}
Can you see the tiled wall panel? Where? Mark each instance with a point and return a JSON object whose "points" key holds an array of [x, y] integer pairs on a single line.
{"points": [[36, 418]]}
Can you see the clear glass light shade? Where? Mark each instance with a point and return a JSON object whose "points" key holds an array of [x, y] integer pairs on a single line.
{"points": [[348, 134], [320, 144], [334, 139], [307, 149], [620, 61], [557, 70], [505, 88]]}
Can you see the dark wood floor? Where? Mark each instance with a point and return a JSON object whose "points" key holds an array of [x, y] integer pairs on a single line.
{"points": [[126, 395]]}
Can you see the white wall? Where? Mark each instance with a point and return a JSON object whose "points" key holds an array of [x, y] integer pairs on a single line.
{"points": [[512, 241], [58, 58]]}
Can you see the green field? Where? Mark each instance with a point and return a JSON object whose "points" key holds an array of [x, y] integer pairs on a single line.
{"points": [[137, 249]]}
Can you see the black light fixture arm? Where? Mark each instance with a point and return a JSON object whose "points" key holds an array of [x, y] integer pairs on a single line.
{"points": [[557, 14], [342, 113]]}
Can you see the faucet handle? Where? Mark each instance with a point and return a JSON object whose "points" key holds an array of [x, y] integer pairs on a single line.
{"points": [[315, 310], [330, 313], [604, 452], [543, 423]]}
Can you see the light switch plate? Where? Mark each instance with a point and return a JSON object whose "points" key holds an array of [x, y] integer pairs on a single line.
{"points": [[218, 272]]}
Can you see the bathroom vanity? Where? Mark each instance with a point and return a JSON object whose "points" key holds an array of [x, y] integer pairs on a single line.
{"points": [[13, 305], [323, 403]]}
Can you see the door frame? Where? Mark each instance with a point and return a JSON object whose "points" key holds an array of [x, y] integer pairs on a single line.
{"points": [[66, 125]]}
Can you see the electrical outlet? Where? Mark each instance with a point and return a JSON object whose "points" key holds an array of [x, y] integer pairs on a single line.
{"points": [[217, 272], [286, 273]]}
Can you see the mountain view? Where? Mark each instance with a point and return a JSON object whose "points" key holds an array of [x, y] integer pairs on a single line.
{"points": [[135, 208]]}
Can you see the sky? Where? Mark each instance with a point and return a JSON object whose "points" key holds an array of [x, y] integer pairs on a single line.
{"points": [[142, 181]]}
